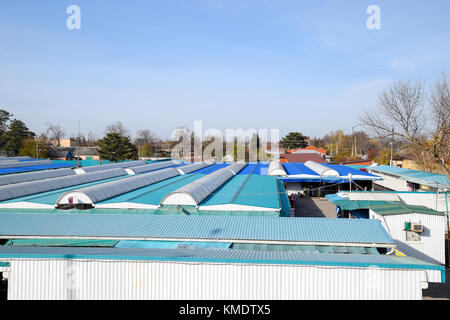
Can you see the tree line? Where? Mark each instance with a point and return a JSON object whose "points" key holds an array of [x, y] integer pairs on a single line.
{"points": [[409, 118]]}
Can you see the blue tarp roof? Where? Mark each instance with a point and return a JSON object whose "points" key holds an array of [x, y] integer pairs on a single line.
{"points": [[345, 170], [298, 168]]}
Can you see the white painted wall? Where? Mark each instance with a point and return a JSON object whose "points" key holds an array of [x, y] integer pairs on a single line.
{"points": [[107, 279], [390, 182], [430, 200], [431, 248]]}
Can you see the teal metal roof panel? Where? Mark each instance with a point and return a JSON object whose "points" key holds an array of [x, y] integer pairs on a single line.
{"points": [[151, 227], [249, 190], [221, 256], [153, 194]]}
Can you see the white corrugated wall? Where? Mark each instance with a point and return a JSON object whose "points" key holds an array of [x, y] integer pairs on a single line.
{"points": [[431, 248], [107, 279]]}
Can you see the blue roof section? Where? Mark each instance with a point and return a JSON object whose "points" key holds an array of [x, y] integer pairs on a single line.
{"points": [[220, 256], [249, 169], [298, 172], [420, 177], [345, 170], [34, 168], [259, 168], [155, 227], [298, 168]]}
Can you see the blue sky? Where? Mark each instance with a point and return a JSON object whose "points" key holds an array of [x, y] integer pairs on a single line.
{"points": [[309, 66]]}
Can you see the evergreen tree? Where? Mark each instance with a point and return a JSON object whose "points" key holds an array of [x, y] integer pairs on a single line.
{"points": [[115, 147], [16, 135], [5, 116], [294, 140]]}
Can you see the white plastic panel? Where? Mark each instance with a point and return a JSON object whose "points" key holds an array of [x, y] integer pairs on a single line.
{"points": [[195, 192], [193, 167], [128, 164], [235, 168], [100, 192], [153, 166], [33, 187], [324, 171], [276, 169], [33, 176]]}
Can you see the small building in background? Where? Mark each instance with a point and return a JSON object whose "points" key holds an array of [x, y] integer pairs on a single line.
{"points": [[402, 179], [302, 157]]}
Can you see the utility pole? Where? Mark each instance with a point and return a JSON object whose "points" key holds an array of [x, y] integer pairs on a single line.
{"points": [[354, 148], [392, 147], [78, 148], [37, 148]]}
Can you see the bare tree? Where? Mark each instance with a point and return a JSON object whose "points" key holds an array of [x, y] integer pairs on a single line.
{"points": [[440, 110], [92, 139], [55, 133], [119, 128], [401, 113], [145, 136]]}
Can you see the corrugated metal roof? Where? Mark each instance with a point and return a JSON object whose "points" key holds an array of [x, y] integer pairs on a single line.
{"points": [[249, 190], [60, 243], [150, 227], [394, 209], [221, 256]]}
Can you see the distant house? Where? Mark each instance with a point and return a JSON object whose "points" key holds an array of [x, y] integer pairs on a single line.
{"points": [[84, 153], [302, 157], [308, 149], [402, 179]]}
